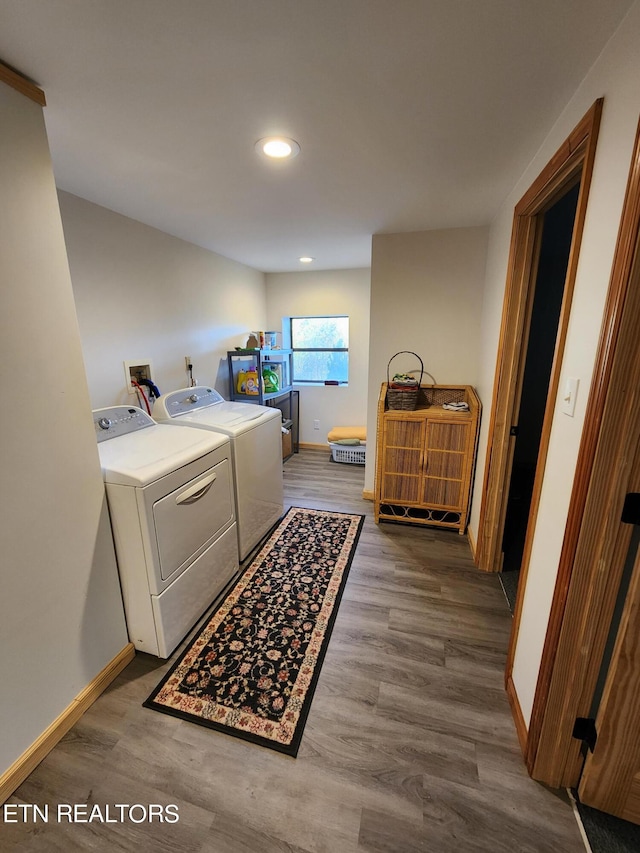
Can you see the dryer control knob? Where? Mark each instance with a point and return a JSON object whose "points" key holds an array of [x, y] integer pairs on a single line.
{"points": [[193, 398], [104, 423]]}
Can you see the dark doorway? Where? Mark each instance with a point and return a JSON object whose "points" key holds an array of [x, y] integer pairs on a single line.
{"points": [[557, 231]]}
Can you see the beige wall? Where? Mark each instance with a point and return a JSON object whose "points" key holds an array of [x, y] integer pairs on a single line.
{"points": [[61, 615], [316, 294], [142, 294], [615, 76], [426, 297]]}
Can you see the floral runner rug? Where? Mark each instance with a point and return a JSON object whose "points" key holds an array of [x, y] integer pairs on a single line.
{"points": [[252, 669]]}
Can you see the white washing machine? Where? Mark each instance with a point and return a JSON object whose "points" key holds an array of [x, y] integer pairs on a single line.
{"points": [[256, 448], [171, 502]]}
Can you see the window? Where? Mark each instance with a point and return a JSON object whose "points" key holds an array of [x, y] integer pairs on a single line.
{"points": [[320, 349]]}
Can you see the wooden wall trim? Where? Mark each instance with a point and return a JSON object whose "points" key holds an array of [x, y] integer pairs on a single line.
{"points": [[585, 150], [505, 389], [610, 780], [518, 717], [574, 157], [551, 756], [21, 84], [562, 164], [472, 544], [40, 748]]}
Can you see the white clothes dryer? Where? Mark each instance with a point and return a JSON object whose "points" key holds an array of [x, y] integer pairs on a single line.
{"points": [[255, 433], [171, 503]]}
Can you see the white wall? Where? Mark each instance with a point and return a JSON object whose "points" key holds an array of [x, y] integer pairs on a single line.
{"points": [[317, 294], [61, 615], [615, 76], [142, 294], [426, 297]]}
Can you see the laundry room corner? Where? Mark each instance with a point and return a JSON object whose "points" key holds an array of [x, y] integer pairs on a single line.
{"points": [[141, 293]]}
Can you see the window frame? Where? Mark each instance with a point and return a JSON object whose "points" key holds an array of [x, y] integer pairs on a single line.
{"points": [[317, 382]]}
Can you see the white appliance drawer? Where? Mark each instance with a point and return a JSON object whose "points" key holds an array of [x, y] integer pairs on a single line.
{"points": [[178, 608], [192, 515]]}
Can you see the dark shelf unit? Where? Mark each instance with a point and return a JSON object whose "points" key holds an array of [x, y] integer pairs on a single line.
{"points": [[287, 399]]}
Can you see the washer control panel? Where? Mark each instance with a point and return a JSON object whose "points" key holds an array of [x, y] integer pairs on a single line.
{"points": [[119, 420], [199, 397]]}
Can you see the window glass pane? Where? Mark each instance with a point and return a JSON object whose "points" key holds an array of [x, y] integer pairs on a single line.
{"points": [[321, 366], [319, 332], [327, 337]]}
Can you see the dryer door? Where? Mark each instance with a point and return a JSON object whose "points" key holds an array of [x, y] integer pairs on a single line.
{"points": [[190, 517]]}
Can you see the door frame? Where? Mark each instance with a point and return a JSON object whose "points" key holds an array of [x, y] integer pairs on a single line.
{"points": [[573, 161], [595, 543], [610, 780]]}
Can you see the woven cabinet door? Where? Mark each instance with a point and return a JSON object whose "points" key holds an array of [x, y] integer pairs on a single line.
{"points": [[402, 460], [445, 464]]}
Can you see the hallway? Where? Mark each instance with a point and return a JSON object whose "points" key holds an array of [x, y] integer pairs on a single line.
{"points": [[409, 745]]}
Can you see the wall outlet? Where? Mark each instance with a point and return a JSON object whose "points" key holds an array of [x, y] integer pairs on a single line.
{"points": [[139, 369], [316, 424]]}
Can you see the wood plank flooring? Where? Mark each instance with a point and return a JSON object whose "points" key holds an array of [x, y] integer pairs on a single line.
{"points": [[409, 745]]}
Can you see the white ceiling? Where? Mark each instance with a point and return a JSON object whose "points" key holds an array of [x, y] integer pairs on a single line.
{"points": [[411, 114]]}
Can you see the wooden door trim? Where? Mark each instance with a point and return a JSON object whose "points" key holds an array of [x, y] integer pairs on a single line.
{"points": [[22, 84], [586, 150], [506, 391], [610, 780], [586, 584], [574, 157]]}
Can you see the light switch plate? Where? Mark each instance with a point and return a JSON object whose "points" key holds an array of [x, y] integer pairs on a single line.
{"points": [[569, 396]]}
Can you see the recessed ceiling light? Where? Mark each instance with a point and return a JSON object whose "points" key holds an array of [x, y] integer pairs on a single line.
{"points": [[306, 260], [278, 147]]}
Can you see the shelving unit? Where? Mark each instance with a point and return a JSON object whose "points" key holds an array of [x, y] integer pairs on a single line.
{"points": [[287, 399], [425, 458]]}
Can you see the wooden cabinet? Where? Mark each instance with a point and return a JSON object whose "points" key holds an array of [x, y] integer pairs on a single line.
{"points": [[425, 458]]}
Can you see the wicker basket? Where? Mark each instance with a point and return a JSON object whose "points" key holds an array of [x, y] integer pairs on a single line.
{"points": [[399, 396]]}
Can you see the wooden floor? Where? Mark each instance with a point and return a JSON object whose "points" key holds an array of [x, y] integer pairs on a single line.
{"points": [[409, 745]]}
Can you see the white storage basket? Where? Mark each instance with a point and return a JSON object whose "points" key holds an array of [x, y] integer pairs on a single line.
{"points": [[353, 453]]}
